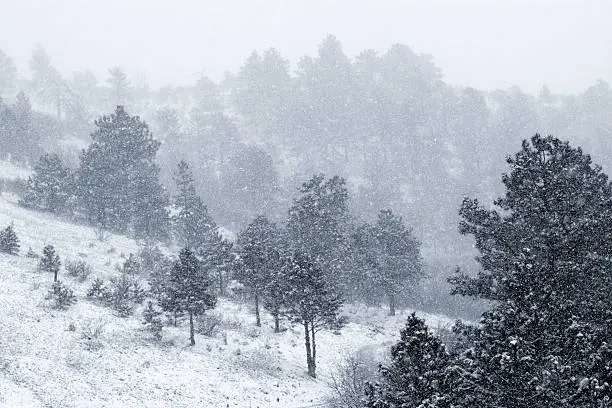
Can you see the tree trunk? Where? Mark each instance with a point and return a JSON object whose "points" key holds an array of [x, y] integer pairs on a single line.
{"points": [[314, 348], [311, 367], [221, 285], [391, 304], [191, 330], [55, 275], [276, 322], [257, 317]]}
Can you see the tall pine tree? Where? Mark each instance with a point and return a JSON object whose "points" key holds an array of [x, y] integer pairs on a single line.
{"points": [[117, 181]]}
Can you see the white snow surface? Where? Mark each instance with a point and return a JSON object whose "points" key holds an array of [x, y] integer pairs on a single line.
{"points": [[10, 171], [45, 361]]}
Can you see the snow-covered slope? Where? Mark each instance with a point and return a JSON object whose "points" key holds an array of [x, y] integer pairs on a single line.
{"points": [[46, 359]]}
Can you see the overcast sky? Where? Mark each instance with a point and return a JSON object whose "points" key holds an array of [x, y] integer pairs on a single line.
{"points": [[486, 44]]}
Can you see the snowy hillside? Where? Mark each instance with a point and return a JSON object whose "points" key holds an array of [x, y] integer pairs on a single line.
{"points": [[51, 358]]}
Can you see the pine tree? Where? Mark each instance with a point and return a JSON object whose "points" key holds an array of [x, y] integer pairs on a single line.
{"points": [[152, 319], [318, 222], [192, 223], [544, 253], [117, 180], [189, 289], [389, 253], [416, 376], [9, 243], [311, 302], [49, 187], [50, 261], [256, 247]]}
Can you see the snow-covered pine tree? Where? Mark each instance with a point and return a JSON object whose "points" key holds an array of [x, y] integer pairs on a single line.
{"points": [[275, 287], [117, 181], [389, 255], [192, 224], [152, 319], [256, 245], [310, 301], [189, 289], [318, 224], [545, 258], [50, 261], [49, 187], [9, 243], [417, 373]]}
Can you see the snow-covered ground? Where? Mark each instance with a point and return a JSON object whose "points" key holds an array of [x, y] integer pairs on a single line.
{"points": [[45, 361], [10, 171]]}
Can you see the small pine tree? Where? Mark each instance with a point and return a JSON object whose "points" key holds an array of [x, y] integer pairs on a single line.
{"points": [[62, 296], [153, 321], [311, 302], [389, 255], [50, 261], [256, 248], [9, 243], [416, 376], [188, 289]]}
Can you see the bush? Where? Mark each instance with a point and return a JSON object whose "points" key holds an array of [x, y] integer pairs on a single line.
{"points": [[9, 243], [78, 269], [153, 321], [131, 266], [91, 335], [32, 254], [348, 381], [208, 324], [61, 296], [123, 293], [97, 290]]}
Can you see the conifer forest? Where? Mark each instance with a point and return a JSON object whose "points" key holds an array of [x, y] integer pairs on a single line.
{"points": [[311, 220]]}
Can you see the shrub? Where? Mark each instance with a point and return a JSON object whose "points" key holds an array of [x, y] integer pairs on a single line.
{"points": [[208, 324], [97, 290], [50, 261], [131, 266], [349, 378], [32, 254], [123, 293], [61, 296], [153, 321], [78, 269], [91, 335], [9, 243]]}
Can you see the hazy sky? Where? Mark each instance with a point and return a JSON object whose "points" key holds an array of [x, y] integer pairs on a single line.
{"points": [[486, 44]]}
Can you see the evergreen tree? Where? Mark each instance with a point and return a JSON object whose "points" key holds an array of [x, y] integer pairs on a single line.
{"points": [[390, 255], [50, 261], [47, 81], [188, 289], [9, 243], [256, 245], [8, 74], [318, 221], [192, 223], [311, 302], [49, 187], [117, 181], [544, 253], [416, 376]]}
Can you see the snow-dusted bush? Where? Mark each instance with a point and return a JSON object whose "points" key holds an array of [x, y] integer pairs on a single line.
{"points": [[61, 296], [9, 243], [349, 378], [209, 324], [78, 269], [153, 321], [91, 335]]}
